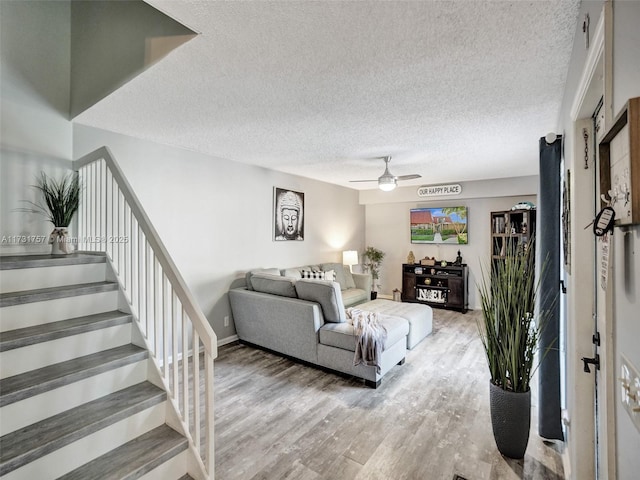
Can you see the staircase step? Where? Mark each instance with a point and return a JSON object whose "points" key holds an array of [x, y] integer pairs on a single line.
{"points": [[64, 328], [11, 262], [134, 458], [30, 443], [52, 293], [60, 345], [19, 387], [21, 279], [18, 415], [38, 313]]}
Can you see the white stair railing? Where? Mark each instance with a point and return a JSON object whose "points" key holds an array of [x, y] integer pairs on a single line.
{"points": [[112, 220]]}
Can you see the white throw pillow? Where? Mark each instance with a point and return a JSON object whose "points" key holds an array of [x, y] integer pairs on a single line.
{"points": [[330, 275]]}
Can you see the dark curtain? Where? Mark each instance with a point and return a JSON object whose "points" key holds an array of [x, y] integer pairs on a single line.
{"points": [[548, 240]]}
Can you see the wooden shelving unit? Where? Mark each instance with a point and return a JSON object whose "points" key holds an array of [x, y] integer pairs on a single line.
{"points": [[510, 228]]}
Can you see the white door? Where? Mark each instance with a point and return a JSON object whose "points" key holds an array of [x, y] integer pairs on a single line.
{"points": [[601, 363]]}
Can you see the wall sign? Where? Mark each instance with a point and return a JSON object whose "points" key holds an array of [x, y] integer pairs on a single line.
{"points": [[439, 190], [620, 165]]}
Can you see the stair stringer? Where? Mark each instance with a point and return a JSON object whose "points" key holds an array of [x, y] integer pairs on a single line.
{"points": [[173, 418]]}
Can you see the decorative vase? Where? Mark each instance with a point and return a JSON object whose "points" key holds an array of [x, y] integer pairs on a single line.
{"points": [[374, 295], [511, 420], [60, 241]]}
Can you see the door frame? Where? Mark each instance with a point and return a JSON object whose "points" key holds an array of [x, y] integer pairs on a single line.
{"points": [[595, 83]]}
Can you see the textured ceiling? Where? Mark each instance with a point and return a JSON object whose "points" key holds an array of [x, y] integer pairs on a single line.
{"points": [[453, 90]]}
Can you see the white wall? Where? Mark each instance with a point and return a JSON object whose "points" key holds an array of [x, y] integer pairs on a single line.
{"points": [[387, 226], [35, 133], [215, 216], [579, 328], [626, 265], [626, 244]]}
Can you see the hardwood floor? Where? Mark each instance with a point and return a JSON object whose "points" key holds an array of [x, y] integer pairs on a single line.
{"points": [[429, 419]]}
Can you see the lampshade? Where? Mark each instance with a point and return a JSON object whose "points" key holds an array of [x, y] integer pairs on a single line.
{"points": [[350, 257]]}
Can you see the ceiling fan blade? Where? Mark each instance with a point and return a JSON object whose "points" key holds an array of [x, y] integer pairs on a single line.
{"points": [[408, 177], [358, 181]]}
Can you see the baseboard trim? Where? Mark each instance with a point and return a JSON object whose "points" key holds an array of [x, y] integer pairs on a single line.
{"points": [[227, 340]]}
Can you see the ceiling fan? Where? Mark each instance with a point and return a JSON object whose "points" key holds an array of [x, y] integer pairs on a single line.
{"points": [[387, 181]]}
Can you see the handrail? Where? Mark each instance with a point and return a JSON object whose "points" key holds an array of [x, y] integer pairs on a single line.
{"points": [[111, 219]]}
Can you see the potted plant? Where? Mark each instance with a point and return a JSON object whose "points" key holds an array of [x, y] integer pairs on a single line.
{"points": [[509, 334], [59, 203], [374, 257]]}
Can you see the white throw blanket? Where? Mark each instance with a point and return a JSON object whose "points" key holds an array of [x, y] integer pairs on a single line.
{"points": [[370, 337]]}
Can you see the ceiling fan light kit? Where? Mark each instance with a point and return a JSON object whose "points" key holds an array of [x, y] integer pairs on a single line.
{"points": [[387, 183]]}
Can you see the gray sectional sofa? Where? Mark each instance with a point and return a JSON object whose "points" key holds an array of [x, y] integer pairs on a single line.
{"points": [[355, 288], [305, 318]]}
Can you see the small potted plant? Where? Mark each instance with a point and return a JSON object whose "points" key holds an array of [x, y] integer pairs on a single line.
{"points": [[374, 259], [59, 203]]}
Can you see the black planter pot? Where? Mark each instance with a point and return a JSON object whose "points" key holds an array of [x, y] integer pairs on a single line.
{"points": [[374, 295], [511, 420]]}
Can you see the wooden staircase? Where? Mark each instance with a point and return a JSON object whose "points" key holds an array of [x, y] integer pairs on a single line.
{"points": [[78, 398]]}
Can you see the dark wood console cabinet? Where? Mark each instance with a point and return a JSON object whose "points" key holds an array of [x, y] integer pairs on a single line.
{"points": [[437, 285]]}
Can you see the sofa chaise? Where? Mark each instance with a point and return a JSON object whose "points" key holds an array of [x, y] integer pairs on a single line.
{"points": [[301, 315]]}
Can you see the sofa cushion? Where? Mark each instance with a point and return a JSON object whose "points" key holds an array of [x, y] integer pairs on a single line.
{"points": [[348, 277], [339, 271], [294, 273], [274, 284], [327, 294], [250, 273], [354, 296], [420, 317], [341, 335]]}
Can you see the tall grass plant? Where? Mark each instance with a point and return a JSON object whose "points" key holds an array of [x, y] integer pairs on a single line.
{"points": [[509, 329]]}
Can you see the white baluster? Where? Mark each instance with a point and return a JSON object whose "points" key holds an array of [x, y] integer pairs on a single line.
{"points": [[209, 420], [174, 342], [196, 390], [185, 370]]}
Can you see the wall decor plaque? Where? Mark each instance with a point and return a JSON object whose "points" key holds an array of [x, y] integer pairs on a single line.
{"points": [[439, 190], [620, 165]]}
